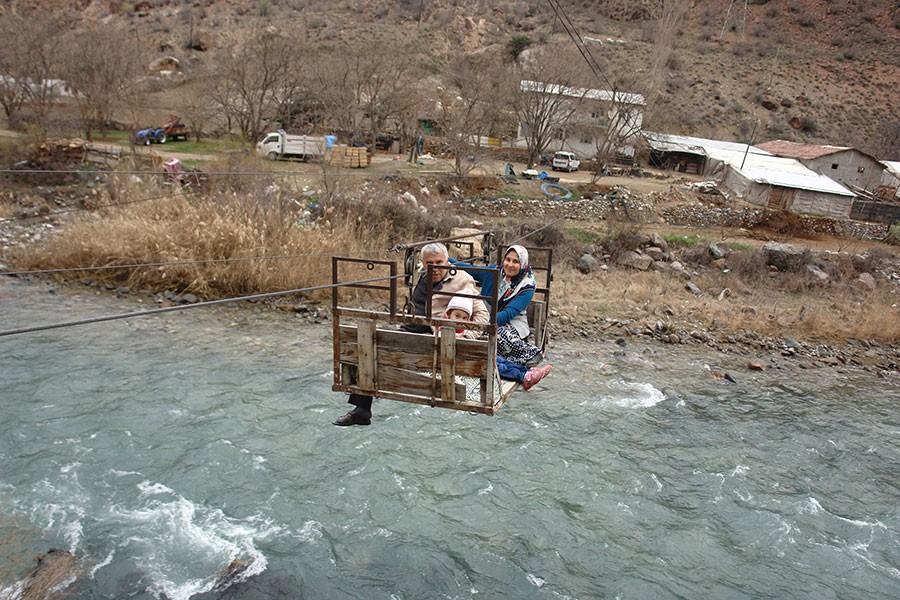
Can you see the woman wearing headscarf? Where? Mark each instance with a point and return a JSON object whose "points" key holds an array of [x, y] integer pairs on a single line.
{"points": [[515, 291]]}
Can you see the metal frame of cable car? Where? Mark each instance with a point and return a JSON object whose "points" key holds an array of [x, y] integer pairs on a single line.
{"points": [[373, 357]]}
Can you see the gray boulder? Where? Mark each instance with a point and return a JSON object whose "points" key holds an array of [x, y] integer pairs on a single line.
{"points": [[679, 269], [658, 241], [587, 264], [867, 281], [785, 257], [718, 250], [635, 260], [692, 288], [655, 252]]}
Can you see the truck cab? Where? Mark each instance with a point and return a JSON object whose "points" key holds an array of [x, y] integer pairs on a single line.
{"points": [[565, 161], [271, 146]]}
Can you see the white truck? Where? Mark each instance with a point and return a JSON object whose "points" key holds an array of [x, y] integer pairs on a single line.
{"points": [[280, 145], [565, 161]]}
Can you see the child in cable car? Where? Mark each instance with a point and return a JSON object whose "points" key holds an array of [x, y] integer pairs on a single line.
{"points": [[460, 309]]}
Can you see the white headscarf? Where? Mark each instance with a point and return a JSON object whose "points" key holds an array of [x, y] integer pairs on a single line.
{"points": [[523, 280]]}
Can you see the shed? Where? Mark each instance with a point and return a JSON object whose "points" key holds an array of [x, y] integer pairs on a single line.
{"points": [[850, 167], [779, 183], [696, 155]]}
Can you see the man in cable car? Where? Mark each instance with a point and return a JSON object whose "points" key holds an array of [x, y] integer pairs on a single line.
{"points": [[447, 281]]}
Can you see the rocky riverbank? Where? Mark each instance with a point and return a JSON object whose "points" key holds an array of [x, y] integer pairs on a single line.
{"points": [[761, 352], [757, 352], [675, 207]]}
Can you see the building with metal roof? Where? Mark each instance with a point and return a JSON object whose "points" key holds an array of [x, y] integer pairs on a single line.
{"points": [[758, 176], [602, 122], [850, 167]]}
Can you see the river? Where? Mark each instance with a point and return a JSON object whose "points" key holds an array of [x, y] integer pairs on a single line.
{"points": [[161, 449]]}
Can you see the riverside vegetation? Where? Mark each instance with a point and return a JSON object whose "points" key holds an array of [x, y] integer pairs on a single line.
{"points": [[247, 235]]}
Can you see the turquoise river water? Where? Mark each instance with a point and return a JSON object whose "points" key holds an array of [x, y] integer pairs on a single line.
{"points": [[160, 449]]}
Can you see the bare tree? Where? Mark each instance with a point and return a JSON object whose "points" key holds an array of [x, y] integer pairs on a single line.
{"points": [[366, 87], [660, 111], [466, 108], [255, 80], [669, 15], [101, 66], [29, 61], [885, 144], [194, 107], [544, 107], [389, 90]]}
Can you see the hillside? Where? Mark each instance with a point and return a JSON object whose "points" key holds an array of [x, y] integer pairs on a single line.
{"points": [[806, 70]]}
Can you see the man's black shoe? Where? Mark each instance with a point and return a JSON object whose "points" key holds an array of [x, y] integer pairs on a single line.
{"points": [[351, 418]]}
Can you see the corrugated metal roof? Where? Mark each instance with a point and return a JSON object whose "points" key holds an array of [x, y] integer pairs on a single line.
{"points": [[788, 172], [576, 92], [892, 166], [798, 150], [759, 165], [726, 152]]}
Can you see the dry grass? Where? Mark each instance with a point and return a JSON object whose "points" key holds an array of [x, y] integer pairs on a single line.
{"points": [[772, 304], [183, 228], [160, 224]]}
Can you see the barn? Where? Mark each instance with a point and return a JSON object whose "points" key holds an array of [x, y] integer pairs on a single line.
{"points": [[689, 154], [850, 167], [778, 183]]}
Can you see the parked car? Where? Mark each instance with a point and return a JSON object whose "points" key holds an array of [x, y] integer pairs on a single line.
{"points": [[565, 161]]}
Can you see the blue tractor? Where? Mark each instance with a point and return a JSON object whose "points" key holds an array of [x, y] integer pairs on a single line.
{"points": [[150, 135]]}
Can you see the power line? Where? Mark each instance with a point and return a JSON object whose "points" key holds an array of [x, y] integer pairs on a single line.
{"points": [[63, 211], [157, 311], [522, 237], [573, 34], [141, 172], [174, 263]]}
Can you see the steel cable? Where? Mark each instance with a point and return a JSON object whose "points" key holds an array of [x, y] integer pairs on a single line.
{"points": [[166, 309]]}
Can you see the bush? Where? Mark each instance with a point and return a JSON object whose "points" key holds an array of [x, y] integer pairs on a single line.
{"points": [[623, 240], [566, 248], [784, 223], [517, 45]]}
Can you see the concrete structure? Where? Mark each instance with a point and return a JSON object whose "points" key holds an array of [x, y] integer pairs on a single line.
{"points": [[603, 122], [850, 167]]}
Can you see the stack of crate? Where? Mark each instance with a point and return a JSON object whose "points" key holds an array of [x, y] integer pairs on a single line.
{"points": [[350, 157]]}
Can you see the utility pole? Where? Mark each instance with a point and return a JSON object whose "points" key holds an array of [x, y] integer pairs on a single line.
{"points": [[752, 136]]}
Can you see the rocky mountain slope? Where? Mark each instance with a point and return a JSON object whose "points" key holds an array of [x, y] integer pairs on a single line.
{"points": [[805, 70]]}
